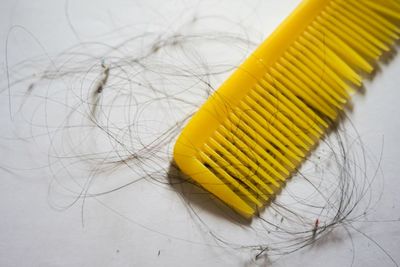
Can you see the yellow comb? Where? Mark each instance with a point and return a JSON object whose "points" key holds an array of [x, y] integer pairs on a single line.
{"points": [[258, 127]]}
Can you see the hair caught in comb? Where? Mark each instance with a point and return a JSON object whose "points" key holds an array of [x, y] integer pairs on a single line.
{"points": [[258, 127]]}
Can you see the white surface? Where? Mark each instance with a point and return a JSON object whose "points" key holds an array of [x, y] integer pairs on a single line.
{"points": [[148, 225]]}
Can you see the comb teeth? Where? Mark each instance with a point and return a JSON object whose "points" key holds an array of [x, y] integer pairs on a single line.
{"points": [[270, 129]]}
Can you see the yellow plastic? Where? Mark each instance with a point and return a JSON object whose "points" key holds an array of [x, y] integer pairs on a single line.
{"points": [[258, 127]]}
